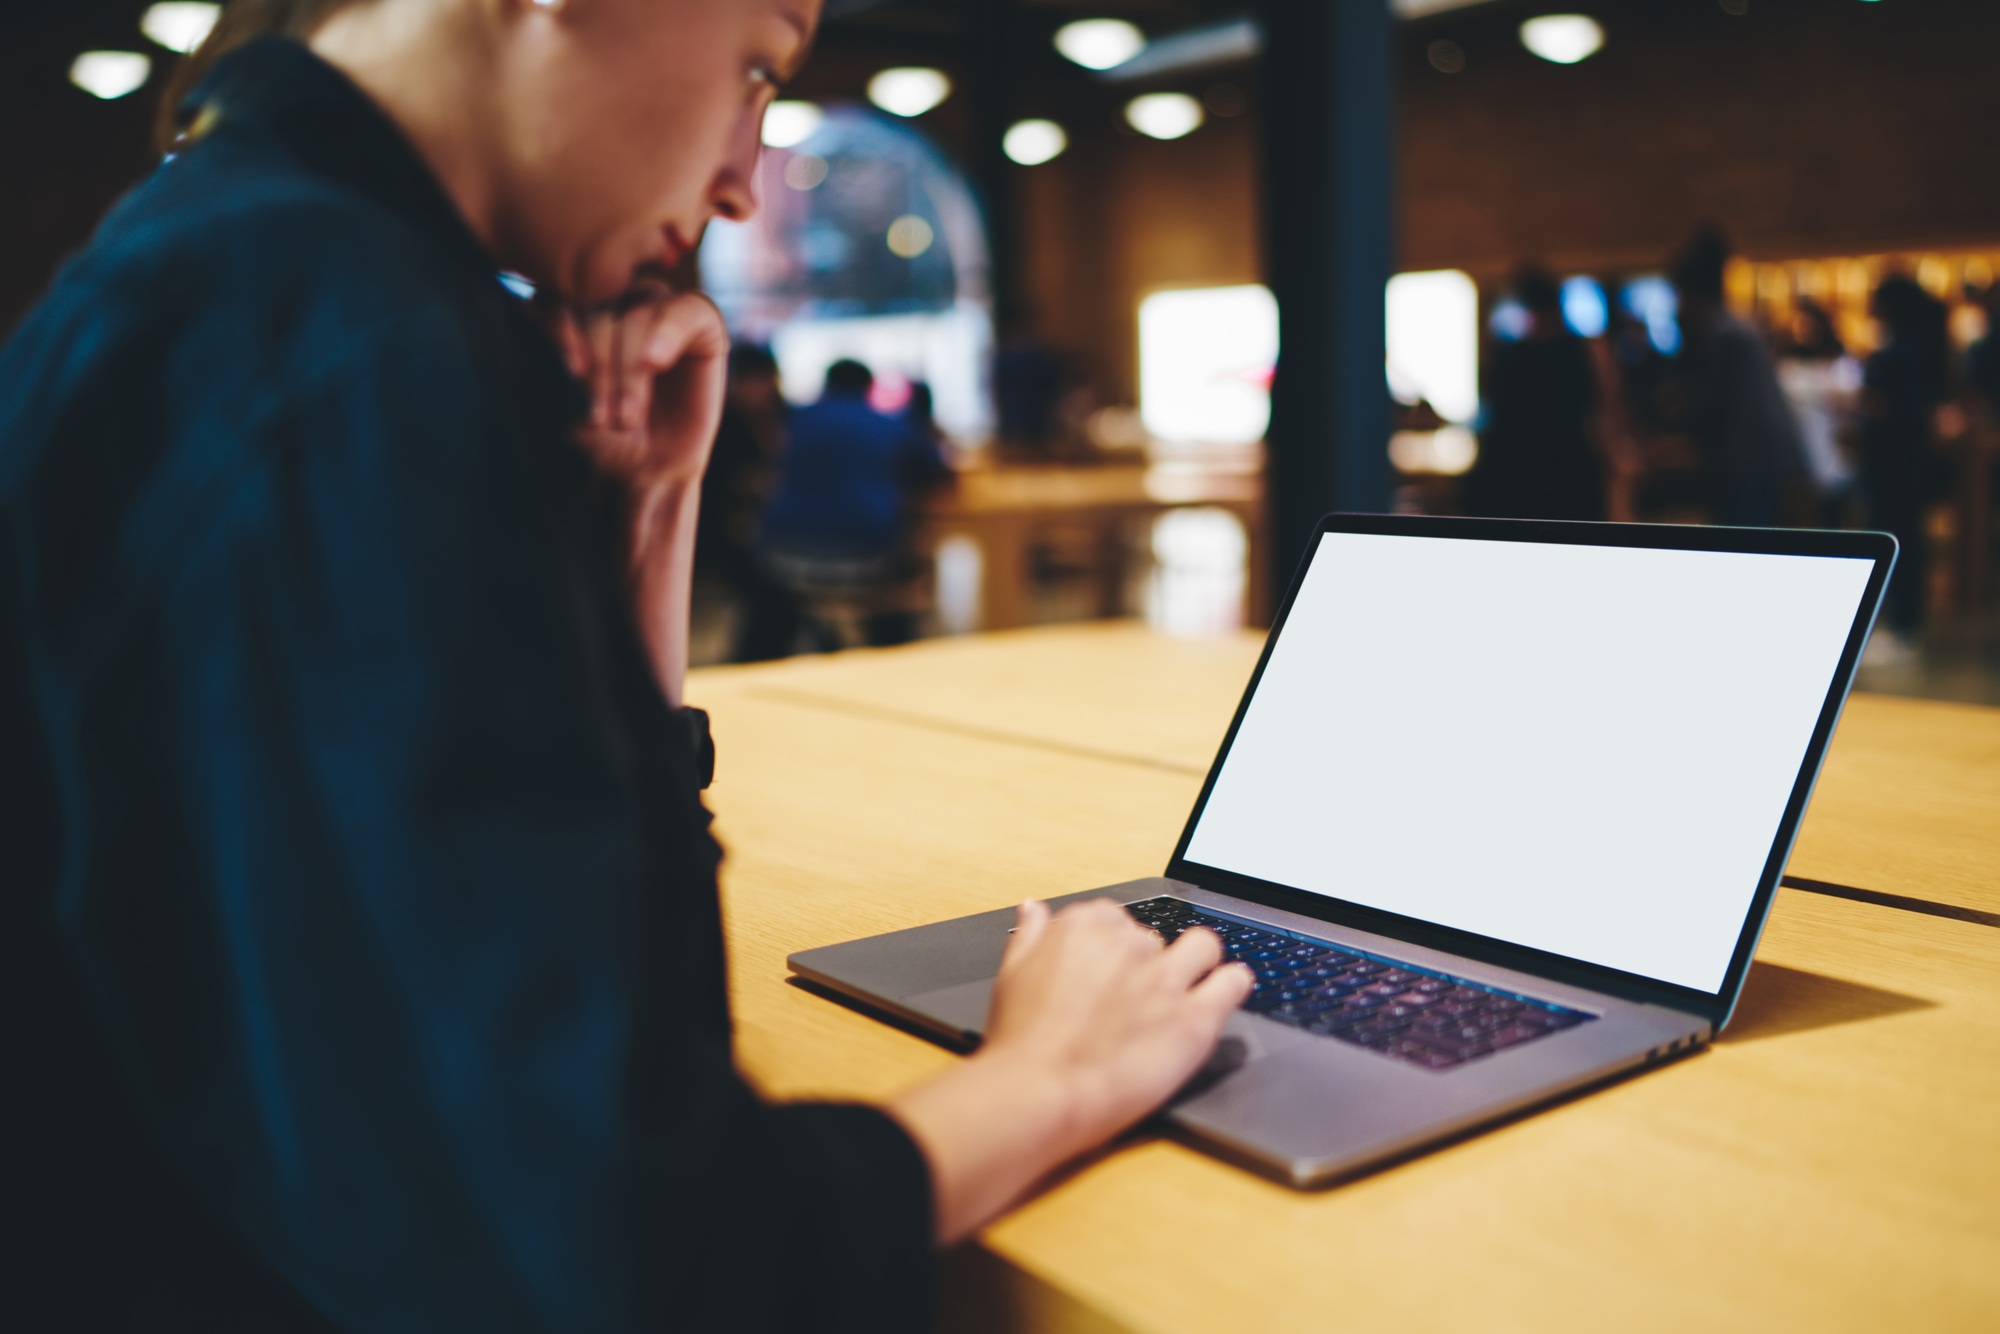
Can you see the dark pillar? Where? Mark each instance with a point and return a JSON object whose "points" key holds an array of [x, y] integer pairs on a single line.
{"points": [[992, 96], [1328, 110]]}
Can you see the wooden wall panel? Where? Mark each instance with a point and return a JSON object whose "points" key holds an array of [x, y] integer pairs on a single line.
{"points": [[1803, 127]]}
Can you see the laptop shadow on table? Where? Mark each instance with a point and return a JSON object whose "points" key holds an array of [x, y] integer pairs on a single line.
{"points": [[1778, 1001]]}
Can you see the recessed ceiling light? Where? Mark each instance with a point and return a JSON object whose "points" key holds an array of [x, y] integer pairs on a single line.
{"points": [[1164, 115], [909, 90], [787, 124], [1033, 142], [1563, 38], [110, 74], [1099, 43], [180, 25]]}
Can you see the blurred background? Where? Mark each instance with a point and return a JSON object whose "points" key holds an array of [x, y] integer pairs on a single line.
{"points": [[1061, 310]]}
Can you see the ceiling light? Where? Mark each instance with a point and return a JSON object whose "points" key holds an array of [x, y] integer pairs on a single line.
{"points": [[788, 124], [1563, 38], [180, 26], [908, 90], [1164, 115], [1099, 43], [1033, 142], [110, 74]]}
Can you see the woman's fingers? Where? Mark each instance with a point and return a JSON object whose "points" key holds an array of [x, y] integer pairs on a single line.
{"points": [[654, 366], [1224, 990], [1193, 956], [685, 325], [636, 368], [571, 342], [683, 360], [1031, 919], [601, 335]]}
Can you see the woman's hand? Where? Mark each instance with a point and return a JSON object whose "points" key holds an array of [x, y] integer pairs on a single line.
{"points": [[1093, 1025], [655, 363]]}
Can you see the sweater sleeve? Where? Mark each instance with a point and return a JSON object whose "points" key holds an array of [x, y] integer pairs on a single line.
{"points": [[450, 1084]]}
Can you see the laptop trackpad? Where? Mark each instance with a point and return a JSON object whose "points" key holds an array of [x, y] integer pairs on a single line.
{"points": [[963, 1006]]}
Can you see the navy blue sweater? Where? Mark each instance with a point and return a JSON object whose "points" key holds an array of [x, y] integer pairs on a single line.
{"points": [[360, 903]]}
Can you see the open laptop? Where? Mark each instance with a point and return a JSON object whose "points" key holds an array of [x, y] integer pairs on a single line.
{"points": [[1501, 815]]}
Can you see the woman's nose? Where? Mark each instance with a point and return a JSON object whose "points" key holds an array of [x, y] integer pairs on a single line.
{"points": [[734, 194]]}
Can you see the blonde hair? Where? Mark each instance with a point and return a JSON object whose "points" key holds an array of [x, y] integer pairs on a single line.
{"points": [[242, 22]]}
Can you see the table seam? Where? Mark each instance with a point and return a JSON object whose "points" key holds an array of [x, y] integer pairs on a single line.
{"points": [[911, 718]]}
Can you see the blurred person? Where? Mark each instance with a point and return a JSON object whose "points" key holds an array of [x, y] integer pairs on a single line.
{"points": [[841, 515], [1903, 384], [1642, 370], [1541, 403], [1748, 438], [1982, 359], [1821, 382], [748, 444], [1029, 378], [1982, 443], [1617, 430], [360, 901], [921, 413]]}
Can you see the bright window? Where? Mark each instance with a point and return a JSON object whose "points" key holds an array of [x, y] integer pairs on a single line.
{"points": [[1205, 361], [1433, 341]]}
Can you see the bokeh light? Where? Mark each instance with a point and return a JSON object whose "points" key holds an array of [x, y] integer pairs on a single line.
{"points": [[180, 25], [787, 124], [1033, 142], [1584, 308], [908, 90], [1099, 43], [1446, 56], [1563, 38], [805, 172], [110, 74], [910, 236], [1164, 115]]}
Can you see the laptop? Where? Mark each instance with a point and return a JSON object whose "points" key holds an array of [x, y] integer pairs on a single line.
{"points": [[1500, 817]]}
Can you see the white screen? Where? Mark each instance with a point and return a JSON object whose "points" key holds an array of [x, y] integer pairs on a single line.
{"points": [[1585, 750]]}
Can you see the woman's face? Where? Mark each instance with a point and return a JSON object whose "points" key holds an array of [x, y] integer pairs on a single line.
{"points": [[629, 125]]}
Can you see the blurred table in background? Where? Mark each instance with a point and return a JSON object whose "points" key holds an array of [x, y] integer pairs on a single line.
{"points": [[1089, 524], [1830, 1163]]}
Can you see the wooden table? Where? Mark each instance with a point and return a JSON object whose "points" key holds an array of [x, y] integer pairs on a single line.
{"points": [[1833, 1162], [1005, 509]]}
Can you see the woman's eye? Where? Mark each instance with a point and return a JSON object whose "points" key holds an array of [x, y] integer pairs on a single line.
{"points": [[764, 75]]}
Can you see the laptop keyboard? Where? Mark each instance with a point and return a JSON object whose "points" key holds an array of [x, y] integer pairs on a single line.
{"points": [[1419, 1015]]}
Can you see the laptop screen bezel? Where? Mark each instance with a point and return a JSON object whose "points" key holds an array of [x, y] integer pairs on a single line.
{"points": [[1877, 548]]}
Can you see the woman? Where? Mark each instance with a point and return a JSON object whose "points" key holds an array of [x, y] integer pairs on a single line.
{"points": [[361, 879]]}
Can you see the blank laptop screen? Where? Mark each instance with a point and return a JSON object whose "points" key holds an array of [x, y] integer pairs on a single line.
{"points": [[1584, 750]]}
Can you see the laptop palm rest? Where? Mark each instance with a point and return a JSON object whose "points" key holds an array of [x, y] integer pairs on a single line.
{"points": [[962, 1006]]}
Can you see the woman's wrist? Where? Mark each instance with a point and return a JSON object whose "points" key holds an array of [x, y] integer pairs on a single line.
{"points": [[660, 519], [990, 1129]]}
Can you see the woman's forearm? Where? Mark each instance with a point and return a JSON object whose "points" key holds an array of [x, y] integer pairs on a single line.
{"points": [[990, 1129], [661, 570]]}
